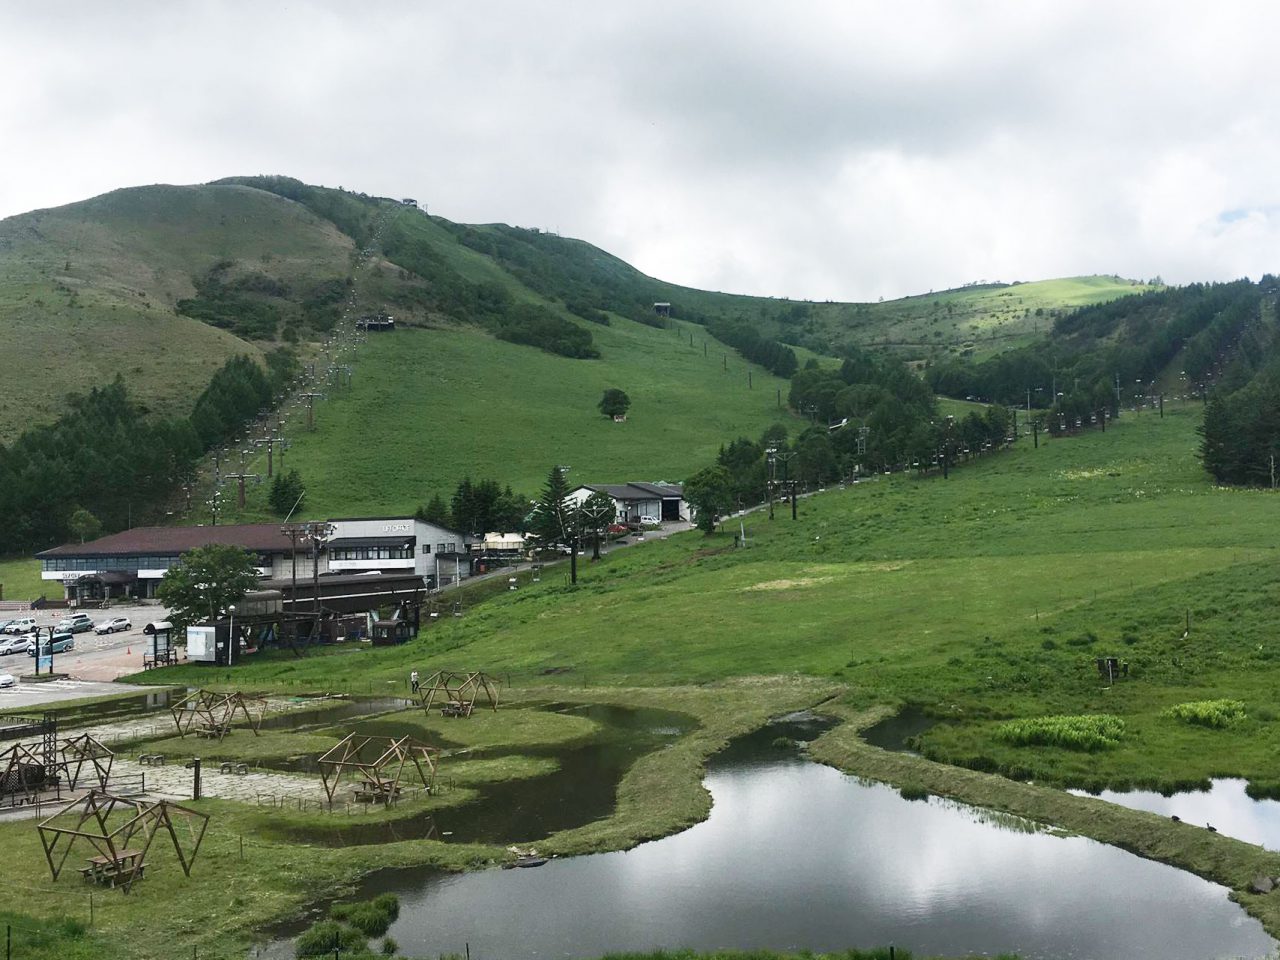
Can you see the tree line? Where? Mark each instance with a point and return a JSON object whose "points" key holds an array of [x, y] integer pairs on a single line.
{"points": [[108, 457], [478, 507], [1129, 343]]}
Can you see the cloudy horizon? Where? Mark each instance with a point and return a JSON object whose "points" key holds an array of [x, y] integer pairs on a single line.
{"points": [[843, 151]]}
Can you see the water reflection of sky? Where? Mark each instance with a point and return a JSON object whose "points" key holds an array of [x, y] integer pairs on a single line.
{"points": [[1226, 806], [796, 855]]}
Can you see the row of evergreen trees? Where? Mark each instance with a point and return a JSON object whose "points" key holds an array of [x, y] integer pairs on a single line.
{"points": [[108, 457], [478, 507]]}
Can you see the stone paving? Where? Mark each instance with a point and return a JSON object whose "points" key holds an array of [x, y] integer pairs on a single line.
{"points": [[174, 781]]}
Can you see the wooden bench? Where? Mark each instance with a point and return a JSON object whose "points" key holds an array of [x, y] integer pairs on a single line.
{"points": [[230, 766], [369, 792], [152, 759], [109, 872], [212, 731], [167, 659]]}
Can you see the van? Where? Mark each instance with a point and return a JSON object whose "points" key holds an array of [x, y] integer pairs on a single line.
{"points": [[62, 642]]}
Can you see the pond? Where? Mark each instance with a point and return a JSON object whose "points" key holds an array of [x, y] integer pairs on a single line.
{"points": [[1225, 805], [582, 788], [796, 855], [898, 732]]}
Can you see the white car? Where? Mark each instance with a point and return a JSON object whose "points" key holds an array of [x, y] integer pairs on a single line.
{"points": [[112, 625], [22, 625], [16, 645], [7, 680], [650, 521]]}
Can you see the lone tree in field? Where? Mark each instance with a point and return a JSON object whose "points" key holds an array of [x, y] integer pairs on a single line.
{"points": [[84, 524], [205, 582], [614, 403], [710, 492]]}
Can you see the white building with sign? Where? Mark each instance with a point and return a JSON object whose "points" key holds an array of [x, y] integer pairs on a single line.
{"points": [[398, 544]]}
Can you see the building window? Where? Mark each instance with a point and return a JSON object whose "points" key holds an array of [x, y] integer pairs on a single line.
{"points": [[426, 549], [442, 548]]}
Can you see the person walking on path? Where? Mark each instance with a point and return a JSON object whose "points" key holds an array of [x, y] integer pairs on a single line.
{"points": [[413, 681]]}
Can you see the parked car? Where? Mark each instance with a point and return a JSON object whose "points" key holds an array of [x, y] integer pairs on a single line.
{"points": [[62, 642], [76, 623], [7, 680], [4, 624], [112, 625], [21, 644], [649, 521], [21, 625]]}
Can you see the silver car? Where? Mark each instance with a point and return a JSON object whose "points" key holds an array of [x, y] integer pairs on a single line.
{"points": [[10, 645], [113, 625]]}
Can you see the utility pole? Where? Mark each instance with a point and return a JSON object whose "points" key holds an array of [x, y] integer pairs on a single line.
{"points": [[770, 453], [294, 532], [317, 533], [1117, 391]]}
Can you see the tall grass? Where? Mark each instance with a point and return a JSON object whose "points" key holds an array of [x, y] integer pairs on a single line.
{"points": [[1208, 713], [1087, 732]]}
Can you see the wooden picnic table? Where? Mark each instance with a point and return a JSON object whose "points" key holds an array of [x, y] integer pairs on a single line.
{"points": [[105, 870]]}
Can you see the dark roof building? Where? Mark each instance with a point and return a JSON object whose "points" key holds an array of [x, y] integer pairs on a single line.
{"points": [[132, 562]]}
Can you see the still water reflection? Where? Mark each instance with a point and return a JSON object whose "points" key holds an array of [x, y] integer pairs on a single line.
{"points": [[1225, 805], [796, 855]]}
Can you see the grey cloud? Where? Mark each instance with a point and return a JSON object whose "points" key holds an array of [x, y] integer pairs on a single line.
{"points": [[827, 150]]}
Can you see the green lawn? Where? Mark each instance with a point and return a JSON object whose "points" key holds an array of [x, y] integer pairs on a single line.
{"points": [[20, 580], [428, 407], [984, 597]]}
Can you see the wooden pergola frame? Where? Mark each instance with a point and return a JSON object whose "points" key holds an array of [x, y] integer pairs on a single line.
{"points": [[90, 815], [214, 711], [457, 691], [77, 751], [15, 762], [379, 778]]}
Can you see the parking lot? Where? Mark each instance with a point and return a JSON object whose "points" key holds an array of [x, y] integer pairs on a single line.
{"points": [[95, 659]]}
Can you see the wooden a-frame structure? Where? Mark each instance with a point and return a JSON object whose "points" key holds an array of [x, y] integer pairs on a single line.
{"points": [[89, 819], [378, 764], [75, 752], [457, 692], [210, 714], [24, 772]]}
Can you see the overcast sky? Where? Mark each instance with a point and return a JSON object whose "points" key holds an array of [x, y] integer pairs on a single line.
{"points": [[824, 150]]}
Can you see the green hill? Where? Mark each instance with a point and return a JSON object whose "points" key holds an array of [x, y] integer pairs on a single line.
{"points": [[90, 290], [428, 407], [507, 337]]}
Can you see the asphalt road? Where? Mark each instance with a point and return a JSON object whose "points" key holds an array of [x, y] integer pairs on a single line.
{"points": [[92, 665]]}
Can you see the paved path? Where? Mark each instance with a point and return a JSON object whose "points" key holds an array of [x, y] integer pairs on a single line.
{"points": [[173, 781]]}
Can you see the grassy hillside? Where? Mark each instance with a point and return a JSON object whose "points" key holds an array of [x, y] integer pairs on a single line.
{"points": [[89, 290], [973, 321], [984, 597], [428, 407]]}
